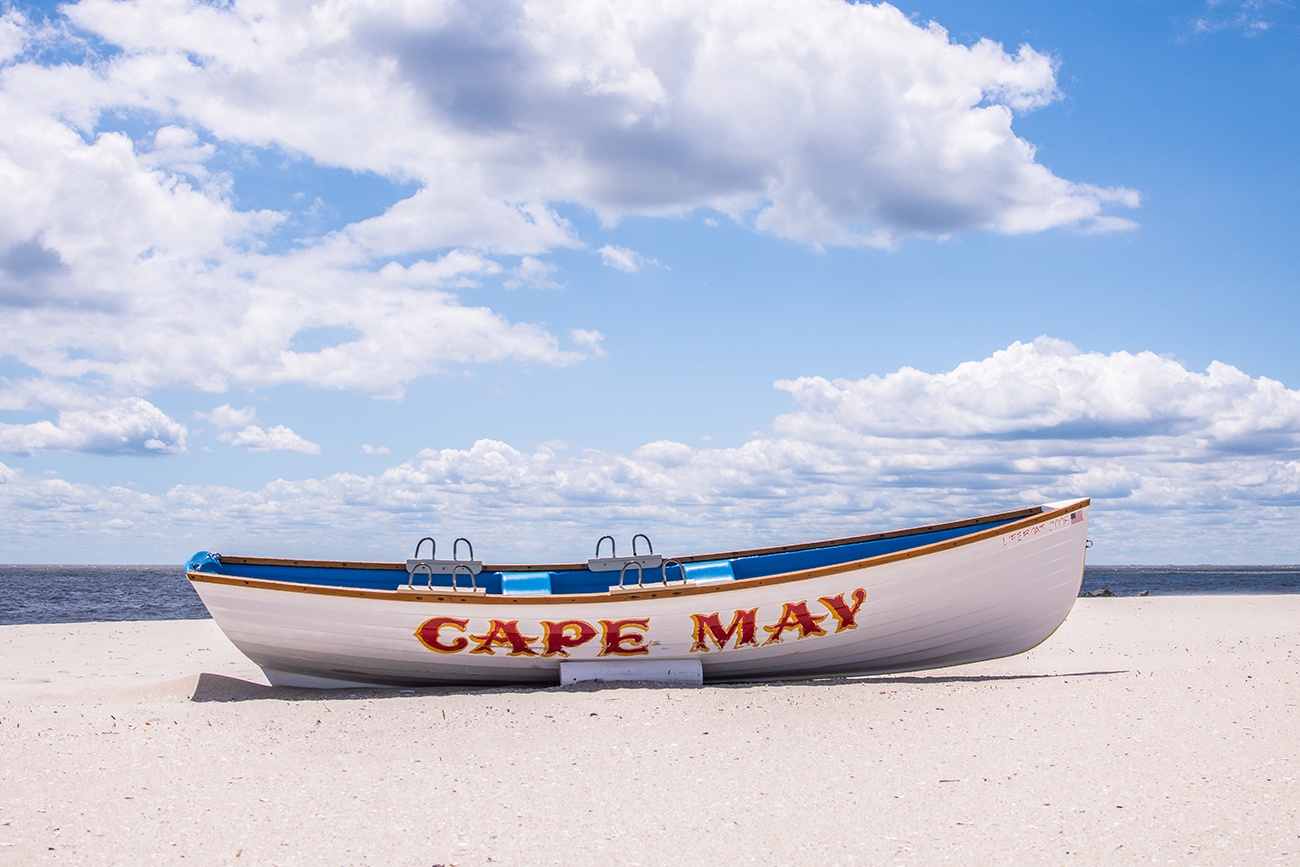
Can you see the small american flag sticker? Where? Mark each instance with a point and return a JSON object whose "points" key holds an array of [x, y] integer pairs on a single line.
{"points": [[1076, 517]]}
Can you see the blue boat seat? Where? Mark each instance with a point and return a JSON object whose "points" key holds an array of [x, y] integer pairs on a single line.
{"points": [[526, 583], [710, 572]]}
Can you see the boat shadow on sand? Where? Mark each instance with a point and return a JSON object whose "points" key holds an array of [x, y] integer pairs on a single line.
{"points": [[221, 688]]}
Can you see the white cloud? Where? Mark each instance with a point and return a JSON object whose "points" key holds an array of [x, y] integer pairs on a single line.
{"points": [[1248, 17], [533, 273], [276, 439], [459, 268], [1182, 465], [838, 123], [12, 34], [226, 416], [590, 341], [128, 427], [126, 259], [34, 393], [622, 258], [451, 214], [368, 449], [178, 150], [1048, 389], [238, 430]]}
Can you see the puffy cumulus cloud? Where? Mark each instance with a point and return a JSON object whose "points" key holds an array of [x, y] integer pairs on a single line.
{"points": [[458, 269], [128, 427], [183, 301], [276, 439], [1210, 473], [126, 265], [12, 34], [92, 522], [827, 122], [533, 273], [34, 393], [450, 213], [238, 429], [1048, 389], [227, 416], [127, 259], [832, 122], [233, 318]]}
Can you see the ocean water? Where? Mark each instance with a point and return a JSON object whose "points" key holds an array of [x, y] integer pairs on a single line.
{"points": [[78, 594], [1191, 580]]}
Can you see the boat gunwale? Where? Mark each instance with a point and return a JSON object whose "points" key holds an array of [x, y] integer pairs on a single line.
{"points": [[1021, 518]]}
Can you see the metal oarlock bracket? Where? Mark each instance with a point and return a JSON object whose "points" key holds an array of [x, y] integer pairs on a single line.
{"points": [[455, 549], [640, 573], [615, 563], [419, 567], [462, 567], [638, 561], [433, 547], [613, 546], [431, 566]]}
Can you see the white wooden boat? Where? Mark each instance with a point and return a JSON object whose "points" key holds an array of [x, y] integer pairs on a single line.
{"points": [[905, 600]]}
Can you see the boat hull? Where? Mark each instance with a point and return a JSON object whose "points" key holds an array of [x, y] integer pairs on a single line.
{"points": [[993, 594]]}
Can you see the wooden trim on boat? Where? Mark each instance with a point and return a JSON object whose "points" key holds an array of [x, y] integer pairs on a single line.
{"points": [[1031, 517], [316, 564]]}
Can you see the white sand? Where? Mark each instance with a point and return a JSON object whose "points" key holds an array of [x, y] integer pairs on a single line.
{"points": [[1161, 729]]}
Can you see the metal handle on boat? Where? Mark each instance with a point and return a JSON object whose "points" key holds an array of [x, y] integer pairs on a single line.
{"points": [[434, 566], [455, 548], [410, 581], [675, 562], [473, 582], [640, 573], [613, 563]]}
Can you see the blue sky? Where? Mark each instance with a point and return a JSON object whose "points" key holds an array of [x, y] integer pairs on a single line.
{"points": [[317, 280]]}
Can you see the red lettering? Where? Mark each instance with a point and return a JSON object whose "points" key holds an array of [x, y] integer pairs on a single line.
{"points": [[506, 634], [617, 642], [710, 626], [794, 615], [560, 635], [845, 617], [429, 630]]}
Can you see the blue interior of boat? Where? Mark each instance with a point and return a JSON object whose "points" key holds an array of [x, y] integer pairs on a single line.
{"points": [[566, 581]]}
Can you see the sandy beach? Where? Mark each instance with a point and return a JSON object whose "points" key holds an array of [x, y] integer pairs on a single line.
{"points": [[1157, 729]]}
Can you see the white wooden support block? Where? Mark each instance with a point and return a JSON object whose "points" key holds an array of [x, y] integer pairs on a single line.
{"points": [[687, 672]]}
